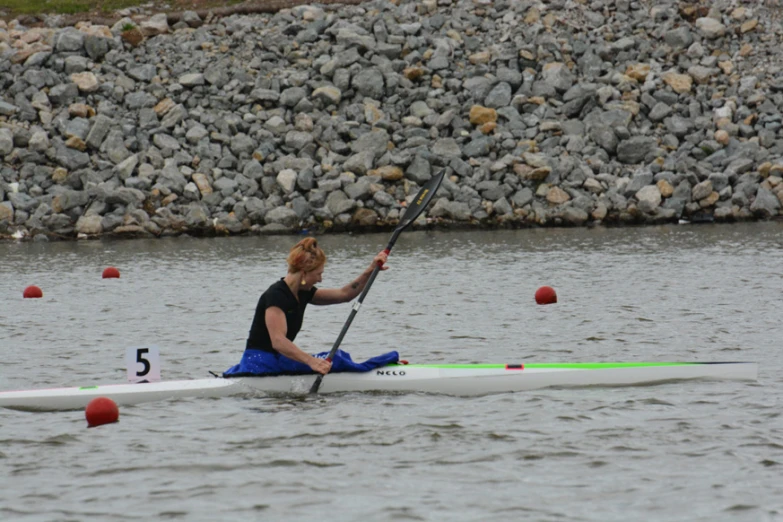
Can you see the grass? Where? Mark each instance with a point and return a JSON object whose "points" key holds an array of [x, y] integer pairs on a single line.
{"points": [[32, 7], [14, 8]]}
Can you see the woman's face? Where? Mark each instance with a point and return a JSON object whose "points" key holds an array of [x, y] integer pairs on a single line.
{"points": [[313, 277]]}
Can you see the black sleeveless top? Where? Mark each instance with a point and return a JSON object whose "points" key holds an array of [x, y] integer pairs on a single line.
{"points": [[280, 296]]}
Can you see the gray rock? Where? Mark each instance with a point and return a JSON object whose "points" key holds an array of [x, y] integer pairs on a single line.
{"points": [[478, 147], [641, 178], [290, 97], [287, 180], [71, 159], [6, 109], [419, 170], [242, 144], [338, 203], [702, 190], [360, 163], [196, 134], [478, 87], [164, 141], [369, 82], [22, 201], [6, 141], [766, 204], [96, 46], [660, 111], [502, 207], [89, 225], [719, 181], [558, 75], [447, 147], [574, 216], [126, 167], [100, 129], [39, 141], [226, 186], [192, 19], [328, 94], [172, 179], [456, 210], [78, 127], [75, 64], [522, 197], [649, 198], [360, 190], [174, 116], [679, 38], [143, 73], [137, 100], [305, 180], [68, 40], [125, 196], [59, 224], [678, 125], [192, 80], [510, 76], [63, 94], [710, 28], [499, 96], [376, 142], [384, 199], [635, 149], [264, 95], [298, 140], [196, 217], [350, 37]]}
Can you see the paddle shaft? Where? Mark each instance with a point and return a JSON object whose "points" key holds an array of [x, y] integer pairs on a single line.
{"points": [[415, 208], [354, 311]]}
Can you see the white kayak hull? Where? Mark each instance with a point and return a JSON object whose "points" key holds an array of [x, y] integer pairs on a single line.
{"points": [[459, 380]]}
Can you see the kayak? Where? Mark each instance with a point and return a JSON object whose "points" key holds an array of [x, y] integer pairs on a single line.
{"points": [[449, 379]]}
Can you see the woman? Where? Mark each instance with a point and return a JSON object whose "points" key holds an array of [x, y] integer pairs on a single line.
{"points": [[270, 347]]}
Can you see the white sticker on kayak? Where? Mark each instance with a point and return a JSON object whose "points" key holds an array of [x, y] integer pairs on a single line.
{"points": [[143, 364]]}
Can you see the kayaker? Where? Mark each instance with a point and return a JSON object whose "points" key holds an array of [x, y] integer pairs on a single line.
{"points": [[270, 347]]}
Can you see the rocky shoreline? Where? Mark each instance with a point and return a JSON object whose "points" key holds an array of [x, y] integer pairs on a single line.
{"points": [[328, 118]]}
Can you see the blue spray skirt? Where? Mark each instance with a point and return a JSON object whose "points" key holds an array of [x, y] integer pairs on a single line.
{"points": [[259, 362]]}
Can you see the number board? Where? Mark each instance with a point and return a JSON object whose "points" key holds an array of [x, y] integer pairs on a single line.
{"points": [[143, 364]]}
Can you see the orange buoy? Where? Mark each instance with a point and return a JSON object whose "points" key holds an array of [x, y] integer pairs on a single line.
{"points": [[101, 410], [111, 273], [32, 292], [546, 295]]}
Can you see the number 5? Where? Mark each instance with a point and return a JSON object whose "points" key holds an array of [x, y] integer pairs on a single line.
{"points": [[143, 364], [142, 360]]}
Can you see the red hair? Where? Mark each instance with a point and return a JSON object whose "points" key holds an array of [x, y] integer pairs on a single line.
{"points": [[305, 256]]}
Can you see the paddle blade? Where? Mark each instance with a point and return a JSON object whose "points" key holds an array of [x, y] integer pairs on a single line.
{"points": [[422, 199]]}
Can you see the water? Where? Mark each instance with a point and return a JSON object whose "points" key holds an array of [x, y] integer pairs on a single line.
{"points": [[685, 451]]}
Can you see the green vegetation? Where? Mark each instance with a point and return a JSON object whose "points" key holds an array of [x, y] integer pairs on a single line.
{"points": [[31, 7], [14, 8]]}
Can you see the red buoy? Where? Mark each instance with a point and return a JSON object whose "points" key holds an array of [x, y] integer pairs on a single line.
{"points": [[32, 292], [546, 295], [111, 273], [101, 410]]}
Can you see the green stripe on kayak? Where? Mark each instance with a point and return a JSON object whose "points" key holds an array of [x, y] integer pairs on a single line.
{"points": [[563, 366], [88, 388]]}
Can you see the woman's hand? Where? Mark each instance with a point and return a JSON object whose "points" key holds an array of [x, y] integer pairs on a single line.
{"points": [[379, 260], [321, 366]]}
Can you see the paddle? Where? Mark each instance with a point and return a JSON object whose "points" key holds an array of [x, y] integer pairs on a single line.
{"points": [[415, 208]]}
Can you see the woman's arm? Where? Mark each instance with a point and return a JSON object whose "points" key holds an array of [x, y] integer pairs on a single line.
{"points": [[327, 296], [278, 327]]}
